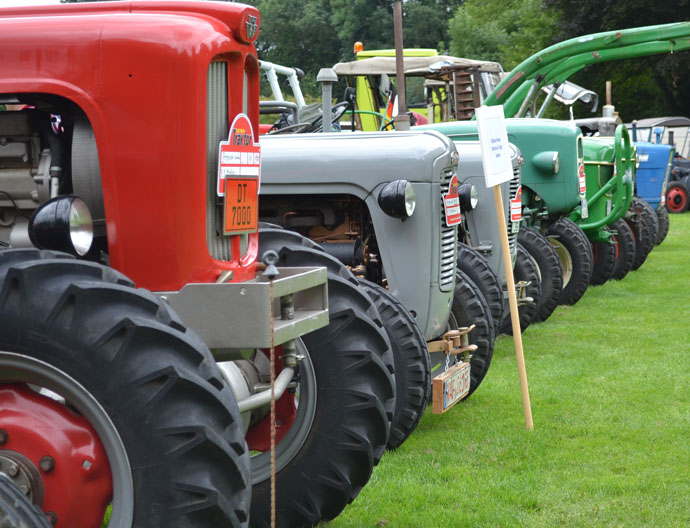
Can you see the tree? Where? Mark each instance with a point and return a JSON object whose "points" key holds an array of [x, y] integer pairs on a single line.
{"points": [[298, 34], [644, 87], [506, 31]]}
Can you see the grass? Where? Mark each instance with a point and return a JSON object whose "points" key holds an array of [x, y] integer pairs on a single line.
{"points": [[610, 393]]}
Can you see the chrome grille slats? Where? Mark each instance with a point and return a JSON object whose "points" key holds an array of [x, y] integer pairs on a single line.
{"points": [[513, 186], [449, 239], [217, 127]]}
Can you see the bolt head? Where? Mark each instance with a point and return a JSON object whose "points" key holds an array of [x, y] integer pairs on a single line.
{"points": [[24, 489], [13, 470], [47, 464]]}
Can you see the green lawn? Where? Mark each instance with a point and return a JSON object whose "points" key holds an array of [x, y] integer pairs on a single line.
{"points": [[609, 382]]}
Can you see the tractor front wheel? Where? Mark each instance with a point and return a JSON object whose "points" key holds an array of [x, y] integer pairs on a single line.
{"points": [[470, 308], [575, 254], [604, 261], [525, 270], [411, 361], [346, 383], [644, 224], [550, 271], [16, 510], [106, 399], [477, 268], [662, 217], [677, 197], [625, 249]]}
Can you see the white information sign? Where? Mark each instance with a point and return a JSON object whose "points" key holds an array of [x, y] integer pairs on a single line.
{"points": [[493, 139]]}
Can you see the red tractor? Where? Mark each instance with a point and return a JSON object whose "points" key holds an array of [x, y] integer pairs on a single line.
{"points": [[128, 156]]}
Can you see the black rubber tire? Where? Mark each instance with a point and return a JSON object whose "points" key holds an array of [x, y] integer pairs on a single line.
{"points": [[476, 267], [604, 262], [642, 223], [664, 223], [677, 199], [355, 392], [575, 254], [16, 511], [686, 181], [411, 362], [171, 412], [550, 270], [525, 269], [470, 308], [625, 249], [652, 218]]}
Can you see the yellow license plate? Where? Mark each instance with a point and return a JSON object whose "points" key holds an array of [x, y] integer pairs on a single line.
{"points": [[241, 206]]}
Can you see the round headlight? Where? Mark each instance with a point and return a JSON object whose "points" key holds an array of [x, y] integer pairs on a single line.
{"points": [[469, 196], [80, 227], [62, 224], [398, 199], [548, 161]]}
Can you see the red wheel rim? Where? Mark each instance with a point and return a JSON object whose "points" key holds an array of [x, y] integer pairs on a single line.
{"points": [[676, 199], [58, 453], [258, 436]]}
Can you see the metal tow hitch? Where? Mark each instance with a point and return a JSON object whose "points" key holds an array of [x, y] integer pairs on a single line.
{"points": [[454, 343], [522, 297], [453, 384]]}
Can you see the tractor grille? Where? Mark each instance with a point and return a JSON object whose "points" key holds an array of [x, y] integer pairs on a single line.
{"points": [[513, 187], [217, 128], [449, 240]]}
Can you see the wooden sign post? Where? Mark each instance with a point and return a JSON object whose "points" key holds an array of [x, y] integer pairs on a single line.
{"points": [[493, 139]]}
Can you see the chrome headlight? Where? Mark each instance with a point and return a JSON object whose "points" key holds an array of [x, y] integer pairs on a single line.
{"points": [[398, 199], [62, 224], [469, 196], [549, 161]]}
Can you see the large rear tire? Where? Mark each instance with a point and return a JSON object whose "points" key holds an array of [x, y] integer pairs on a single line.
{"points": [[329, 462], [477, 268], [411, 360], [550, 271], [575, 254], [143, 386], [664, 223], [470, 308], [625, 249]]}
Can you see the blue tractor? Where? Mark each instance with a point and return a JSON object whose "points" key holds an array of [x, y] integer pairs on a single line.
{"points": [[673, 132]]}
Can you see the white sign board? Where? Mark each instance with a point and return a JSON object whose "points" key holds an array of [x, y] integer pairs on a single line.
{"points": [[493, 139]]}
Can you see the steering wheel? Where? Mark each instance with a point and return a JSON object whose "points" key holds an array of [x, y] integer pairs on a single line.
{"points": [[297, 128], [337, 112]]}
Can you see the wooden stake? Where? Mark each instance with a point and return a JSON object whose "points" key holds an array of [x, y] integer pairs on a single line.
{"points": [[514, 315]]}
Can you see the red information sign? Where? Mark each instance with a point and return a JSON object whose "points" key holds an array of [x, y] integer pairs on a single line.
{"points": [[581, 178], [451, 203], [239, 171], [516, 206]]}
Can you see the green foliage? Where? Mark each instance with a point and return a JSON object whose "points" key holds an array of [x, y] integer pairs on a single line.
{"points": [[645, 87], [506, 31], [610, 399], [315, 34]]}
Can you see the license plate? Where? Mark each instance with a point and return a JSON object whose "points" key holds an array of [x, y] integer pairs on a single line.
{"points": [[450, 387], [241, 211]]}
